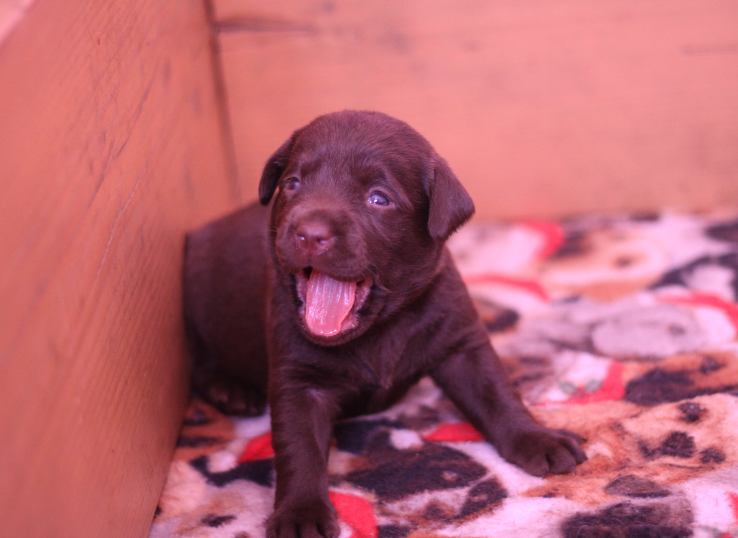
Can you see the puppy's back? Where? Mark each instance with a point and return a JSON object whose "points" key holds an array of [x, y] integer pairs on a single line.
{"points": [[224, 285]]}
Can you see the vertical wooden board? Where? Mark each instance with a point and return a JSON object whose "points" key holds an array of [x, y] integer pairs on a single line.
{"points": [[541, 107], [110, 149]]}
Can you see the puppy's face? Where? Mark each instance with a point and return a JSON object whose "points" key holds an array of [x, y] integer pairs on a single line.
{"points": [[355, 225]]}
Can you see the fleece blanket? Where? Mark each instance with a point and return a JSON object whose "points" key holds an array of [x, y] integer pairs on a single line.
{"points": [[620, 328]]}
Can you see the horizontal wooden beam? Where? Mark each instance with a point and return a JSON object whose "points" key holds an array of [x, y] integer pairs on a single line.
{"points": [[541, 107]]}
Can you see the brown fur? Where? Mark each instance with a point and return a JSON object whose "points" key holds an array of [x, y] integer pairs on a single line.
{"points": [[249, 342]]}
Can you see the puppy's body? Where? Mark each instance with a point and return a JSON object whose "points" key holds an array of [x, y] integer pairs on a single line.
{"points": [[338, 297], [229, 261]]}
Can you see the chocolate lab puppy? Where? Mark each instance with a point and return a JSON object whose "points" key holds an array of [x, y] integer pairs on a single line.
{"points": [[335, 295]]}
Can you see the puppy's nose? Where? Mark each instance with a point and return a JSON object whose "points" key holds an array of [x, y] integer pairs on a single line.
{"points": [[313, 237]]}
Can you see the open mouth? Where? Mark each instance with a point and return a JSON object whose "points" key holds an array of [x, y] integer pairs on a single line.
{"points": [[330, 306]]}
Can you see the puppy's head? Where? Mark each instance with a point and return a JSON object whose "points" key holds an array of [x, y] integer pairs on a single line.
{"points": [[362, 210]]}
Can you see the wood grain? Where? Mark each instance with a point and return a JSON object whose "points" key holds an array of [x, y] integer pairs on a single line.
{"points": [[541, 107], [110, 148]]}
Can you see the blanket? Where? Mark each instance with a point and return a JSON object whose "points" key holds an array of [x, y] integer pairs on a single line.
{"points": [[621, 328]]}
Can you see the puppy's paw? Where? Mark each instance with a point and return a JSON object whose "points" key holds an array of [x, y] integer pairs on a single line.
{"points": [[541, 451], [230, 396], [314, 519]]}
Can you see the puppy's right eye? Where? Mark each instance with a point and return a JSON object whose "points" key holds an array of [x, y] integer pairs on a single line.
{"points": [[292, 184], [377, 198]]}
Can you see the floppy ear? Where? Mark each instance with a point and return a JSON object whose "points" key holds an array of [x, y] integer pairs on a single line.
{"points": [[450, 204], [274, 168]]}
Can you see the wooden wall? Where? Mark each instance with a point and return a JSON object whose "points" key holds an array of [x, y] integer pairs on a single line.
{"points": [[110, 148], [542, 107]]}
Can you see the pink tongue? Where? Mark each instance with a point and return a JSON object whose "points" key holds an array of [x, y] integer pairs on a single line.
{"points": [[329, 302]]}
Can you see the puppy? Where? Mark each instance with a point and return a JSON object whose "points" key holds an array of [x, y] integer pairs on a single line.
{"points": [[335, 295]]}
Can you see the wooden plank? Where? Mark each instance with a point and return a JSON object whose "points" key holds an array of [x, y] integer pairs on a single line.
{"points": [[541, 107], [110, 149]]}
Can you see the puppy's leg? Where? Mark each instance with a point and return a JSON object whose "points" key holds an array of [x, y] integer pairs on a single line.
{"points": [[302, 426], [227, 393], [475, 381], [224, 391]]}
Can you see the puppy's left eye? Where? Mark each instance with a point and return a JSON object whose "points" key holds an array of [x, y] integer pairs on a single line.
{"points": [[378, 198], [292, 184]]}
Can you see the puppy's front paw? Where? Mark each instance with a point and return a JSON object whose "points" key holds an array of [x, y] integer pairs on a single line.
{"points": [[313, 519], [541, 451]]}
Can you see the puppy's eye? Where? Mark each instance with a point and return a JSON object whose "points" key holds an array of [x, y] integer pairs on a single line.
{"points": [[292, 184], [378, 198]]}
